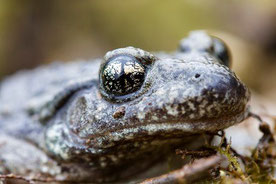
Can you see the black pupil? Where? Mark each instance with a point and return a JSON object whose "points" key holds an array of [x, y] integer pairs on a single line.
{"points": [[122, 75]]}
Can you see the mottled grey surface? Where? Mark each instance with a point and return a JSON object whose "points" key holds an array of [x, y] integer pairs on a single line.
{"points": [[67, 127]]}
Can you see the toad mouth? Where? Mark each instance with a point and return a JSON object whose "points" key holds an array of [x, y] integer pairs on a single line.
{"points": [[166, 130]]}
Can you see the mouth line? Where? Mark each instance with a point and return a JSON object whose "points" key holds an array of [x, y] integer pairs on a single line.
{"points": [[166, 129]]}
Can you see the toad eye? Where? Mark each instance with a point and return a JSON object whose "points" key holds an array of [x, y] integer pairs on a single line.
{"points": [[221, 51], [200, 41], [122, 75]]}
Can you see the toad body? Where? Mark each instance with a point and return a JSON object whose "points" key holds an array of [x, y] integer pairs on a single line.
{"points": [[113, 118]]}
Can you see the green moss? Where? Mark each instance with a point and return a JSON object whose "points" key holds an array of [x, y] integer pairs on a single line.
{"points": [[257, 168]]}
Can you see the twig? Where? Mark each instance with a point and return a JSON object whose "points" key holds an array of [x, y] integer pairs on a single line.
{"points": [[199, 169]]}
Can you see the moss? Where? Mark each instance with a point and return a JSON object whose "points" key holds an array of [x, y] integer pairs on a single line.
{"points": [[257, 168]]}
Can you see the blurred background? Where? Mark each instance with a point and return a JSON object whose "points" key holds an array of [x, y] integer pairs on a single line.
{"points": [[37, 32]]}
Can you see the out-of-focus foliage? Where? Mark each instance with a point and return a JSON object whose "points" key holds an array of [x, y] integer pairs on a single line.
{"points": [[34, 32]]}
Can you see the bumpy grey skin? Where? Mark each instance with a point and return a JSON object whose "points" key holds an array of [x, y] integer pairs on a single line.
{"points": [[57, 121]]}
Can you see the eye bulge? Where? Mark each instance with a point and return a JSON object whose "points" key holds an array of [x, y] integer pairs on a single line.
{"points": [[201, 42], [122, 75], [221, 51]]}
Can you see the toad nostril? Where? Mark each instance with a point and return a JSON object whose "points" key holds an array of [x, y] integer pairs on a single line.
{"points": [[197, 75]]}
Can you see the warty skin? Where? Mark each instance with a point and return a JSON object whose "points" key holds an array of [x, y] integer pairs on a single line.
{"points": [[75, 130]]}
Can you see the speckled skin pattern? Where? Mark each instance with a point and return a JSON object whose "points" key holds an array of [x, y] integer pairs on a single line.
{"points": [[57, 121]]}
